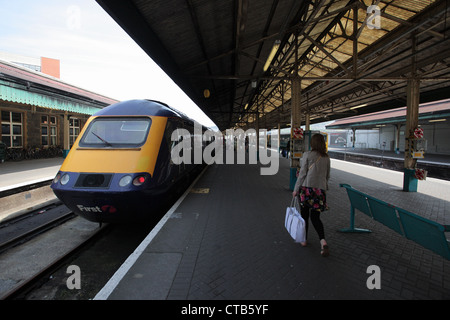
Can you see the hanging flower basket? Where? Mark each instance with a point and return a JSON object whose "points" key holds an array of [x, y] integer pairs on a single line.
{"points": [[421, 174]]}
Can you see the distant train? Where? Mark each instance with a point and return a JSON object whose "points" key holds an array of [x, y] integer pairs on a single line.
{"points": [[119, 168]]}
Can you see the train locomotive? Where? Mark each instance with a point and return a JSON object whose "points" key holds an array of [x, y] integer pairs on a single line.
{"points": [[120, 168]]}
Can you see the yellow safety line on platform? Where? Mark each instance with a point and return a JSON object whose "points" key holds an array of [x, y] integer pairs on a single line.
{"points": [[200, 190]]}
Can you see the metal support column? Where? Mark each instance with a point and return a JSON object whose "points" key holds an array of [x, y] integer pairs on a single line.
{"points": [[257, 131], [279, 137], [295, 123], [353, 137], [397, 138], [307, 115], [296, 116], [412, 121]]}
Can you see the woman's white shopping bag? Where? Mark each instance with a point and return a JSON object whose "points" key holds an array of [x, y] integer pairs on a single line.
{"points": [[294, 222]]}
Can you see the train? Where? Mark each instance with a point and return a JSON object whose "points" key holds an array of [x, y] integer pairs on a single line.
{"points": [[120, 168]]}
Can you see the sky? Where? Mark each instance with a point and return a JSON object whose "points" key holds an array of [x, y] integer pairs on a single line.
{"points": [[94, 52]]}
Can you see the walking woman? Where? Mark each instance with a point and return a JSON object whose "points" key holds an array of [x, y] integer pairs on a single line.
{"points": [[311, 186]]}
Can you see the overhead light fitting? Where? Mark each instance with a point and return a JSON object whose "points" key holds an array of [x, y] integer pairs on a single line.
{"points": [[437, 120], [360, 106], [274, 50]]}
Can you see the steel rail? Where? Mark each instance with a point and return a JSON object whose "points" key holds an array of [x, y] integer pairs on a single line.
{"points": [[8, 244], [24, 287]]}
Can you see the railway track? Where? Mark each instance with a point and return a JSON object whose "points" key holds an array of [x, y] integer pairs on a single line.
{"points": [[38, 278], [27, 234], [435, 170], [30, 230]]}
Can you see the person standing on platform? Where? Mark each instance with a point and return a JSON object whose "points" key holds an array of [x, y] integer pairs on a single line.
{"points": [[311, 187]]}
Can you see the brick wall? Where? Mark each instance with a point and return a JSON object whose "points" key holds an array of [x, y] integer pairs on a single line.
{"points": [[50, 66]]}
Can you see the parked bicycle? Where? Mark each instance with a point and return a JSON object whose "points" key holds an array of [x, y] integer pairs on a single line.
{"points": [[33, 152]]}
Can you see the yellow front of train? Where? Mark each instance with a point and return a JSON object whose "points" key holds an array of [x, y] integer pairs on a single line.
{"points": [[107, 175], [95, 149]]}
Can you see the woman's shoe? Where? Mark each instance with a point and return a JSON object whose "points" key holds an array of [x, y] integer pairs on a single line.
{"points": [[325, 252]]}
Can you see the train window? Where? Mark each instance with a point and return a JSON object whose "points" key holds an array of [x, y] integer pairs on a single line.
{"points": [[116, 132]]}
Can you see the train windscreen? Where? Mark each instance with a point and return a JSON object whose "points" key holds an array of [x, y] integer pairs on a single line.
{"points": [[116, 132]]}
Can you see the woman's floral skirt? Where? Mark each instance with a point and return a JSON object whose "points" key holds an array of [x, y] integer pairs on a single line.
{"points": [[313, 198]]}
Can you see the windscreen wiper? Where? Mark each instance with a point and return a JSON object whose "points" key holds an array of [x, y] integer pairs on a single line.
{"points": [[103, 140]]}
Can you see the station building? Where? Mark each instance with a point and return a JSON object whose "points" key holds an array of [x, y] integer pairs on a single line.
{"points": [[38, 110]]}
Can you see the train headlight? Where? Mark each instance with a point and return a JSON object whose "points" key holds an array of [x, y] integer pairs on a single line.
{"points": [[56, 179], [64, 179], [139, 180], [124, 181]]}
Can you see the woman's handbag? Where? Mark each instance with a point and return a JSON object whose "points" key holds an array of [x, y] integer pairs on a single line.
{"points": [[294, 222]]}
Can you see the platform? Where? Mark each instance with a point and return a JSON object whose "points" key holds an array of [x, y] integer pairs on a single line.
{"points": [[226, 240], [14, 201], [25, 172]]}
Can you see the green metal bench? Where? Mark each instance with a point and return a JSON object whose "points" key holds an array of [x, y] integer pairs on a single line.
{"points": [[427, 233]]}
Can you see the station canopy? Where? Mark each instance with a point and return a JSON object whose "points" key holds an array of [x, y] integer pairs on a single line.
{"points": [[236, 59]]}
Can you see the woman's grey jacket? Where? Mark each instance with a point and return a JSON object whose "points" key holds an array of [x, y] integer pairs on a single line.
{"points": [[319, 171]]}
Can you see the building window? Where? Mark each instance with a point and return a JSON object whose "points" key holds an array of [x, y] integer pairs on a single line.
{"points": [[74, 130], [12, 129], [44, 130], [48, 130], [53, 131]]}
